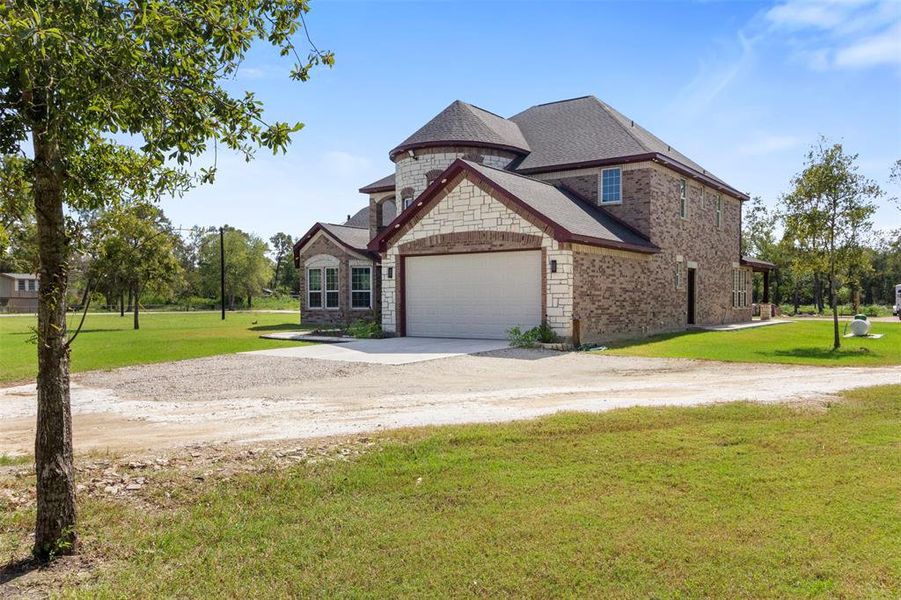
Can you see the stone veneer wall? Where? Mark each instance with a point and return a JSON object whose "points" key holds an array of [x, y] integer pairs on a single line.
{"points": [[322, 245], [411, 173], [616, 296], [468, 207]]}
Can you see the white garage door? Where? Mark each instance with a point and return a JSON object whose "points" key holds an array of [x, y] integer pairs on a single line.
{"points": [[472, 295]]}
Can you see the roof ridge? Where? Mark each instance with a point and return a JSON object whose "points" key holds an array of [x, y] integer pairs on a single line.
{"points": [[485, 110], [565, 100], [614, 114], [523, 175], [340, 225]]}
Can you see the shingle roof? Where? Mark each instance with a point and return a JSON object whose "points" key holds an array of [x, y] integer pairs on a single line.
{"points": [[20, 275], [359, 219], [354, 237], [464, 123], [585, 129], [564, 209], [385, 184]]}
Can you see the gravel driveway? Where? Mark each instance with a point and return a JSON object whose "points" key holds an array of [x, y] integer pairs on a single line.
{"points": [[245, 397]]}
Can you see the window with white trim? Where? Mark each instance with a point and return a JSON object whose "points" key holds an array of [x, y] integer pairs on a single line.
{"points": [[719, 210], [683, 199], [611, 186], [20, 285], [314, 288], [332, 297], [739, 288], [361, 287], [32, 285]]}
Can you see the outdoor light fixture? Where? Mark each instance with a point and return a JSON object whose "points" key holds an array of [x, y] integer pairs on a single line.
{"points": [[553, 266]]}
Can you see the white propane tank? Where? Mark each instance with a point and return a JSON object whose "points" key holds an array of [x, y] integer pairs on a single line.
{"points": [[860, 328]]}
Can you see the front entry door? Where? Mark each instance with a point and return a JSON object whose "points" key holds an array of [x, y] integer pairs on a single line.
{"points": [[691, 296]]}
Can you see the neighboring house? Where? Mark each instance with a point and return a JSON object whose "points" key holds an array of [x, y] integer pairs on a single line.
{"points": [[568, 213], [19, 292]]}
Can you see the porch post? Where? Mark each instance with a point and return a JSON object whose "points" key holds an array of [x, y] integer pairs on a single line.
{"points": [[766, 287]]}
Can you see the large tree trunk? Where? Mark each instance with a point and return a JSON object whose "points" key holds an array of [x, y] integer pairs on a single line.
{"points": [[137, 324], [818, 293], [121, 304], [55, 523]]}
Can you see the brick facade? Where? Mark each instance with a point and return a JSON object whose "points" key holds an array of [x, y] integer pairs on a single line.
{"points": [[323, 251], [619, 296]]}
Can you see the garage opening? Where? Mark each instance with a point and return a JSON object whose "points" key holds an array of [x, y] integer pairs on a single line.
{"points": [[475, 295]]}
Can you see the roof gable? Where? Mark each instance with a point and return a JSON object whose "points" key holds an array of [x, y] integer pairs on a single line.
{"points": [[352, 239], [465, 124], [569, 218]]}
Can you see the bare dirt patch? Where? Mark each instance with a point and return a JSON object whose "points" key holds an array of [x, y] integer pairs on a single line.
{"points": [[251, 398]]}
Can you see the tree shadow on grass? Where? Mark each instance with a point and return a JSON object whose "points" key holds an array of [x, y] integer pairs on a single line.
{"points": [[19, 568], [662, 337], [824, 354], [280, 327]]}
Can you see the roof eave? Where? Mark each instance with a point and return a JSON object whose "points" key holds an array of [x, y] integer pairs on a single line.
{"points": [[460, 143], [648, 156], [559, 232]]}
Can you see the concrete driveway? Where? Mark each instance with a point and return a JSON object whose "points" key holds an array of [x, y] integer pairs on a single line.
{"points": [[388, 351]]}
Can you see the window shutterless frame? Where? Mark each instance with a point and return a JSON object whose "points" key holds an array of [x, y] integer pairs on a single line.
{"points": [[611, 191], [332, 294], [314, 288], [683, 199], [361, 287]]}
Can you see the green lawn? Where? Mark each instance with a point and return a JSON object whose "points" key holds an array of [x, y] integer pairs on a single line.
{"points": [[723, 501], [107, 340], [800, 342]]}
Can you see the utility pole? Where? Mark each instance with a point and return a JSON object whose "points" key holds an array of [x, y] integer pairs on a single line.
{"points": [[222, 266]]}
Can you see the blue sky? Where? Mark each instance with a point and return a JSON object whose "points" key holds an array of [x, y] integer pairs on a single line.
{"points": [[744, 88]]}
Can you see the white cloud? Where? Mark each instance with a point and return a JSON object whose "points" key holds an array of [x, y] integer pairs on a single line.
{"points": [[880, 49], [768, 144], [828, 34], [714, 77]]}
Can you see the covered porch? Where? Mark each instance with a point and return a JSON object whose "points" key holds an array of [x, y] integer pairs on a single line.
{"points": [[765, 268]]}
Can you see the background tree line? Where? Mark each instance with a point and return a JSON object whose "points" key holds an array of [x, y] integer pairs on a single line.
{"points": [[795, 236], [130, 255]]}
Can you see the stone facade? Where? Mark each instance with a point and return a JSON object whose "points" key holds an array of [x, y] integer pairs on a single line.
{"points": [[322, 252], [412, 172], [466, 217]]}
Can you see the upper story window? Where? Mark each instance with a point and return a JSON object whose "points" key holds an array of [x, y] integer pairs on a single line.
{"points": [[683, 199], [20, 285], [32, 285], [611, 186], [719, 210]]}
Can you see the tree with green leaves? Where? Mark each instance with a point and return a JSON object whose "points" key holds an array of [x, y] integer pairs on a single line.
{"points": [[74, 73], [282, 249], [134, 249], [826, 216], [247, 268], [18, 243]]}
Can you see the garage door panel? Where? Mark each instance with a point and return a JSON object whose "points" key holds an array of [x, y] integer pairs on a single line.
{"points": [[472, 295]]}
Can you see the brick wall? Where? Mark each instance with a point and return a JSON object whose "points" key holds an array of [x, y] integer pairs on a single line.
{"points": [[466, 217], [323, 246], [617, 296]]}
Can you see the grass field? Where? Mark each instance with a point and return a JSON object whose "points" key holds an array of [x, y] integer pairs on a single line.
{"points": [[800, 342], [724, 501], [108, 340]]}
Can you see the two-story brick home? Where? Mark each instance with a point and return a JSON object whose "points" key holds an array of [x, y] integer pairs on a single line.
{"points": [[568, 213]]}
